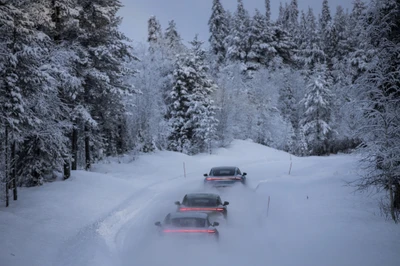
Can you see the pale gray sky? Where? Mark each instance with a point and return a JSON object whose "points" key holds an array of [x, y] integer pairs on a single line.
{"points": [[191, 16]]}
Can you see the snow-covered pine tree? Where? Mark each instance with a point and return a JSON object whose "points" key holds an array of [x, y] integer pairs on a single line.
{"points": [[218, 26], [154, 30], [281, 14], [358, 55], [154, 37], [268, 11], [341, 25], [102, 66], [173, 40], [378, 89], [283, 44], [30, 103], [237, 40], [192, 112], [260, 40], [327, 32], [325, 17], [293, 19], [309, 52], [317, 116]]}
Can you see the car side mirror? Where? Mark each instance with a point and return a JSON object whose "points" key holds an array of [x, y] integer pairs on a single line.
{"points": [[177, 203], [226, 203], [157, 223], [215, 224], [244, 173], [205, 175]]}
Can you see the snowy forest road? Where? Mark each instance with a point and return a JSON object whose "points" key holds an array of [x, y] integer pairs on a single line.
{"points": [[313, 219]]}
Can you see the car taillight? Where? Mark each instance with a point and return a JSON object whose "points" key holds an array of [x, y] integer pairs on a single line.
{"points": [[223, 178], [189, 231], [213, 178], [201, 209]]}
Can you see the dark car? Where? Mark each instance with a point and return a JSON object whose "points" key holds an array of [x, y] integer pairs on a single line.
{"points": [[224, 176], [203, 202], [188, 224]]}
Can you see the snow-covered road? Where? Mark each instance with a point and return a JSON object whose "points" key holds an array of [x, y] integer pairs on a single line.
{"points": [[107, 217]]}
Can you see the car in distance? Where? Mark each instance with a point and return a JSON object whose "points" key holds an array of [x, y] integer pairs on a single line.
{"points": [[188, 224], [224, 176], [203, 202]]}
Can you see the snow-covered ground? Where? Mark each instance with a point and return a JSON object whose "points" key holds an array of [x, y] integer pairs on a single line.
{"points": [[106, 217]]}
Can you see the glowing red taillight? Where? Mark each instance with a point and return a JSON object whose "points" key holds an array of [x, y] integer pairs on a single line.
{"points": [[223, 178], [189, 231], [201, 209]]}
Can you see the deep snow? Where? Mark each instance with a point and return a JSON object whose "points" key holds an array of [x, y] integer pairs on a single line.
{"points": [[106, 217]]}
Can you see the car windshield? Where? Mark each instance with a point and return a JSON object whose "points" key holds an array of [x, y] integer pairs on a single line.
{"points": [[188, 222], [204, 202], [223, 172]]}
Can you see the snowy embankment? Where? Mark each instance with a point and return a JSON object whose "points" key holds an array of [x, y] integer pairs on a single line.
{"points": [[106, 217]]}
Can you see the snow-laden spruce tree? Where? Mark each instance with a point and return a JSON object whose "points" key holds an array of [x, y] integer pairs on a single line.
{"points": [[191, 112], [309, 52], [30, 110], [173, 40], [358, 55], [268, 11], [317, 116], [219, 29], [102, 66], [260, 40], [154, 30], [237, 40], [378, 89]]}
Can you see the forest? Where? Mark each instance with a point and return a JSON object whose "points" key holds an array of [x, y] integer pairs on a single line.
{"points": [[74, 89]]}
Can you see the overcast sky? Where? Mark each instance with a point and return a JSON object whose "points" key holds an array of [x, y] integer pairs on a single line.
{"points": [[191, 16]]}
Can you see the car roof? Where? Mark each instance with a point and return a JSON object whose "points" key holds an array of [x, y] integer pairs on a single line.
{"points": [[201, 215], [224, 167], [202, 195]]}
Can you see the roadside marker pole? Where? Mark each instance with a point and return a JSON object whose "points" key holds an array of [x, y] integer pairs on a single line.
{"points": [[184, 170]]}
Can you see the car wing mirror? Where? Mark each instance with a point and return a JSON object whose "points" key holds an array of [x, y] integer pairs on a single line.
{"points": [[157, 223], [177, 203], [205, 175], [244, 173], [226, 203], [215, 223]]}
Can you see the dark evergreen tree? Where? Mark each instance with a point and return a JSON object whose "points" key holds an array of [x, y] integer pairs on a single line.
{"points": [[310, 52], [268, 11], [172, 39], [154, 31], [219, 30], [238, 39], [103, 71]]}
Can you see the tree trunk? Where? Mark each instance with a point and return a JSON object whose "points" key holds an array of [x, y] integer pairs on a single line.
{"points": [[6, 167], [87, 149], [13, 171], [392, 205], [67, 168], [56, 19], [74, 141]]}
